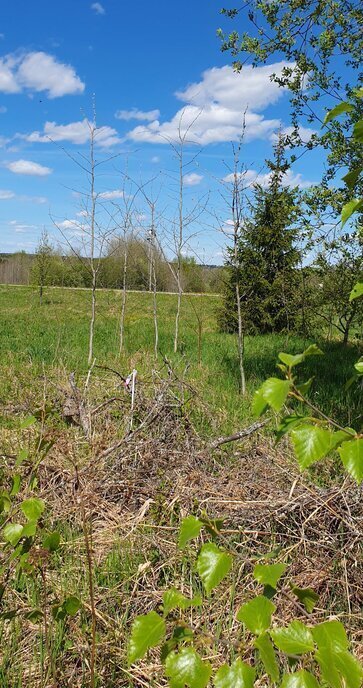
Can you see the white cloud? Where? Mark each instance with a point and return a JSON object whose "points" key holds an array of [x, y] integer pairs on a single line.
{"points": [[141, 115], [251, 177], [28, 167], [215, 106], [305, 133], [82, 213], [111, 195], [75, 132], [6, 194], [155, 159], [38, 71], [192, 179], [20, 227], [98, 8]]}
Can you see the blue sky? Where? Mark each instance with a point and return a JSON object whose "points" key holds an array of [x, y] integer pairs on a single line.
{"points": [[146, 63]]}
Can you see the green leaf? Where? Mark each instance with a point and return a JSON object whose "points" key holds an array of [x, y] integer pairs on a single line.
{"points": [[351, 454], [287, 423], [338, 110], [173, 599], [331, 634], [29, 529], [51, 541], [310, 444], [256, 614], [213, 565], [295, 639], [269, 574], [27, 422], [358, 131], [238, 675], [291, 360], [186, 668], [15, 484], [275, 391], [22, 456], [34, 615], [307, 596], [352, 177], [349, 208], [259, 405], [32, 508], [5, 503], [189, 529], [72, 605], [268, 656], [339, 669], [359, 366], [304, 387], [147, 631], [12, 533], [300, 679], [356, 292], [313, 350]]}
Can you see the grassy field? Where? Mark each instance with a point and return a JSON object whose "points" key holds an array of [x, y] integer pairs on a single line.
{"points": [[132, 504], [55, 335]]}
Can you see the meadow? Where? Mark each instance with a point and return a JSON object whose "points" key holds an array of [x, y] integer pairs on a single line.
{"points": [[54, 335], [117, 517]]}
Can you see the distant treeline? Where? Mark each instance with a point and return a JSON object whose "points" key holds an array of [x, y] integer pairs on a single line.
{"points": [[74, 271]]}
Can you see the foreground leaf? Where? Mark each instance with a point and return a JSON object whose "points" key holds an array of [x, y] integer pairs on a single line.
{"points": [[32, 508], [274, 391], [259, 404], [356, 292], [338, 110], [256, 614], [269, 574], [51, 541], [268, 656], [189, 529], [147, 631], [300, 679], [238, 675], [351, 454], [213, 565], [72, 605], [12, 533], [331, 634], [339, 669], [173, 599], [350, 208], [186, 668], [295, 639], [291, 360], [310, 444], [307, 596]]}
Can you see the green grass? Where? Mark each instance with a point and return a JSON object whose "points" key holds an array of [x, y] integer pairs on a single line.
{"points": [[56, 335]]}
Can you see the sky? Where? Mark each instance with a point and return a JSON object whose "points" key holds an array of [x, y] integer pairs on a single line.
{"points": [[146, 66]]}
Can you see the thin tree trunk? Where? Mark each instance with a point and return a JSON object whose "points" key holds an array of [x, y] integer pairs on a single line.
{"points": [[123, 304], [93, 318], [180, 246], [93, 266], [240, 342]]}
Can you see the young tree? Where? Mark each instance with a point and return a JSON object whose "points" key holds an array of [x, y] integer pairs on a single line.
{"points": [[41, 269], [264, 258]]}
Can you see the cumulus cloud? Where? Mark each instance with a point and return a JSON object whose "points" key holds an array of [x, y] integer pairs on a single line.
{"points": [[252, 177], [192, 179], [98, 8], [75, 132], [28, 167], [111, 195], [148, 116], [38, 71], [215, 106]]}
